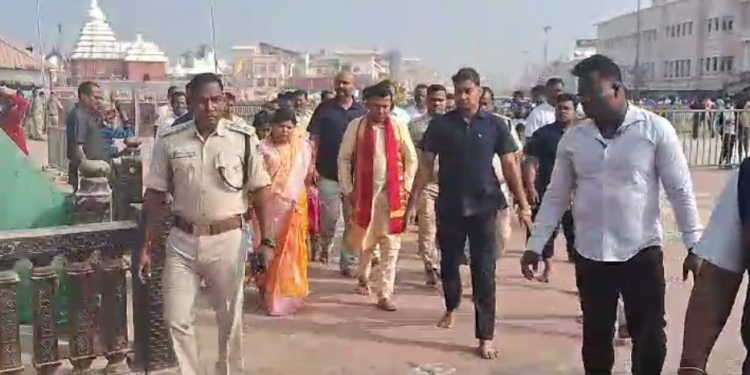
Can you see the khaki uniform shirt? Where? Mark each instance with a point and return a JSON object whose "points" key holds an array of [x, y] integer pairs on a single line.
{"points": [[417, 128], [201, 173], [496, 165]]}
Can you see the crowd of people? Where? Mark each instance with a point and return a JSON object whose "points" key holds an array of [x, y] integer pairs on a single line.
{"points": [[269, 195]]}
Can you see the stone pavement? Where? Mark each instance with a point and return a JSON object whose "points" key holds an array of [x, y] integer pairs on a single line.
{"points": [[342, 333]]}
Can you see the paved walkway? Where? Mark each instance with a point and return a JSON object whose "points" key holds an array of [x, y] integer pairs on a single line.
{"points": [[342, 333]]}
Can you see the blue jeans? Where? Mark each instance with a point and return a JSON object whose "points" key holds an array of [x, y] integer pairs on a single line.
{"points": [[331, 207]]}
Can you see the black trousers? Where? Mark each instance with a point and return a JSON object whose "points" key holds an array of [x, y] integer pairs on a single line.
{"points": [[745, 332], [452, 231], [640, 280], [568, 227]]}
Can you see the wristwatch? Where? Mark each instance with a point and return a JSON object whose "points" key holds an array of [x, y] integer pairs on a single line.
{"points": [[269, 243]]}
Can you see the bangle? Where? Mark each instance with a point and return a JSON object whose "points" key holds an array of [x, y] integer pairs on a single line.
{"points": [[524, 211]]}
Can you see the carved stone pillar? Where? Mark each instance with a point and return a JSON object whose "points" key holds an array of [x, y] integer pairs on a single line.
{"points": [[114, 311], [153, 343], [93, 199], [44, 301], [10, 344], [81, 309]]}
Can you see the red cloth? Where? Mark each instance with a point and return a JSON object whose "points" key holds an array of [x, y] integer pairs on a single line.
{"points": [[313, 211], [11, 121], [363, 183]]}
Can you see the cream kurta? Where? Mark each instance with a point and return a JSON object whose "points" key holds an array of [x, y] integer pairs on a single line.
{"points": [[379, 225]]}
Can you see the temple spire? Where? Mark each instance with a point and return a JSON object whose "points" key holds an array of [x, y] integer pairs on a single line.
{"points": [[95, 12]]}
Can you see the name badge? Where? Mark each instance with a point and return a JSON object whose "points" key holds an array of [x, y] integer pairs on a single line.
{"points": [[182, 154]]}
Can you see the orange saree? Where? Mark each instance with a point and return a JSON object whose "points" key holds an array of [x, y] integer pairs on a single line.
{"points": [[285, 281]]}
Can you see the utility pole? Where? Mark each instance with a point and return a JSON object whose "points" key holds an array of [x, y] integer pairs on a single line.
{"points": [[42, 74], [546, 44], [637, 64], [213, 37]]}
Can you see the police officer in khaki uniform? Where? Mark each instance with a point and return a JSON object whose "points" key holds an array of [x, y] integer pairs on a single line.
{"points": [[210, 165]]}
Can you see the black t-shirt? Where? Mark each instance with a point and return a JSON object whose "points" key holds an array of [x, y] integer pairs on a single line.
{"points": [[467, 181], [328, 123], [543, 146]]}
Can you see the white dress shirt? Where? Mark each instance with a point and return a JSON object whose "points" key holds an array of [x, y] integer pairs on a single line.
{"points": [[721, 243], [542, 114], [415, 112], [615, 188]]}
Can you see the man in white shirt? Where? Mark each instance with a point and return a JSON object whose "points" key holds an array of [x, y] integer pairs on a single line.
{"points": [[611, 165], [178, 107], [419, 108], [166, 109], [544, 113], [723, 248]]}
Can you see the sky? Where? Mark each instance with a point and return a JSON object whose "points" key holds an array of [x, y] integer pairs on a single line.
{"points": [[497, 37]]}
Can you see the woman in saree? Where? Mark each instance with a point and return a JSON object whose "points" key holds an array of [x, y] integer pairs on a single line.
{"points": [[288, 160]]}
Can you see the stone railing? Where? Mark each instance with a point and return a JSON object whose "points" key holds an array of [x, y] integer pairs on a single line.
{"points": [[91, 332], [94, 255]]}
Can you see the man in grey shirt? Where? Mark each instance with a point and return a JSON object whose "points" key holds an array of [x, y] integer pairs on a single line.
{"points": [[612, 166], [84, 138]]}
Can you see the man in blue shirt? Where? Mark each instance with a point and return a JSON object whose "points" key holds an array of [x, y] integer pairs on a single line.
{"points": [[326, 128], [466, 140]]}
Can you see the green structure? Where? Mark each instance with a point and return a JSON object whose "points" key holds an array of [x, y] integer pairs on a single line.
{"points": [[29, 199]]}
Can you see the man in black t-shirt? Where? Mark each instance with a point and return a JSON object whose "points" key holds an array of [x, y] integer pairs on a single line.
{"points": [[541, 152], [466, 140]]}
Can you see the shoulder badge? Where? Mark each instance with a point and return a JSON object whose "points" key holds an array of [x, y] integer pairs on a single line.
{"points": [[177, 128], [242, 127]]}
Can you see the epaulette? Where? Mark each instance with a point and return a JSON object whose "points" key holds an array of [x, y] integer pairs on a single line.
{"points": [[177, 128], [241, 127]]}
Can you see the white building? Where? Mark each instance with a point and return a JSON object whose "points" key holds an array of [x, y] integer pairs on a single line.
{"points": [[563, 68], [685, 45]]}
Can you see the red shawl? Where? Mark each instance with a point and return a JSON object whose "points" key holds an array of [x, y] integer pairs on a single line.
{"points": [[11, 121], [363, 176]]}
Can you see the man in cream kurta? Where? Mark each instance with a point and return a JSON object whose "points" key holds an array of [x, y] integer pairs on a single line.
{"points": [[377, 235]]}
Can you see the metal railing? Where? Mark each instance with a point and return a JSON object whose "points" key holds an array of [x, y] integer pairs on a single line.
{"points": [[711, 138]]}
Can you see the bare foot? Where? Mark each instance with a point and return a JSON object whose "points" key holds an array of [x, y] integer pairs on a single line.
{"points": [[363, 288], [487, 350], [446, 321], [544, 277], [386, 304]]}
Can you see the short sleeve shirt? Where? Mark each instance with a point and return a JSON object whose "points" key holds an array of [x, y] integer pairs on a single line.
{"points": [[328, 124], [204, 175], [466, 178], [543, 147], [84, 128]]}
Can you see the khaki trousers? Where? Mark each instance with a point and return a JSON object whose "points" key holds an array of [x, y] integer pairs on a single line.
{"points": [[427, 229], [220, 261], [503, 232], [385, 272]]}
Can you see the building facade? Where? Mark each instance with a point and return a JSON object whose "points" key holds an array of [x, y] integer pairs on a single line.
{"points": [[684, 45]]}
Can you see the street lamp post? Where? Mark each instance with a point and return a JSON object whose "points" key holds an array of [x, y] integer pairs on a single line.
{"points": [[41, 42], [637, 63], [213, 36], [546, 44]]}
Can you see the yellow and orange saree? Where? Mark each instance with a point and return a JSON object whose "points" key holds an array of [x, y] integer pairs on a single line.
{"points": [[285, 281]]}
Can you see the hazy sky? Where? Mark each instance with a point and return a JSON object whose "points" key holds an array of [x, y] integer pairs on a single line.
{"points": [[490, 35]]}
